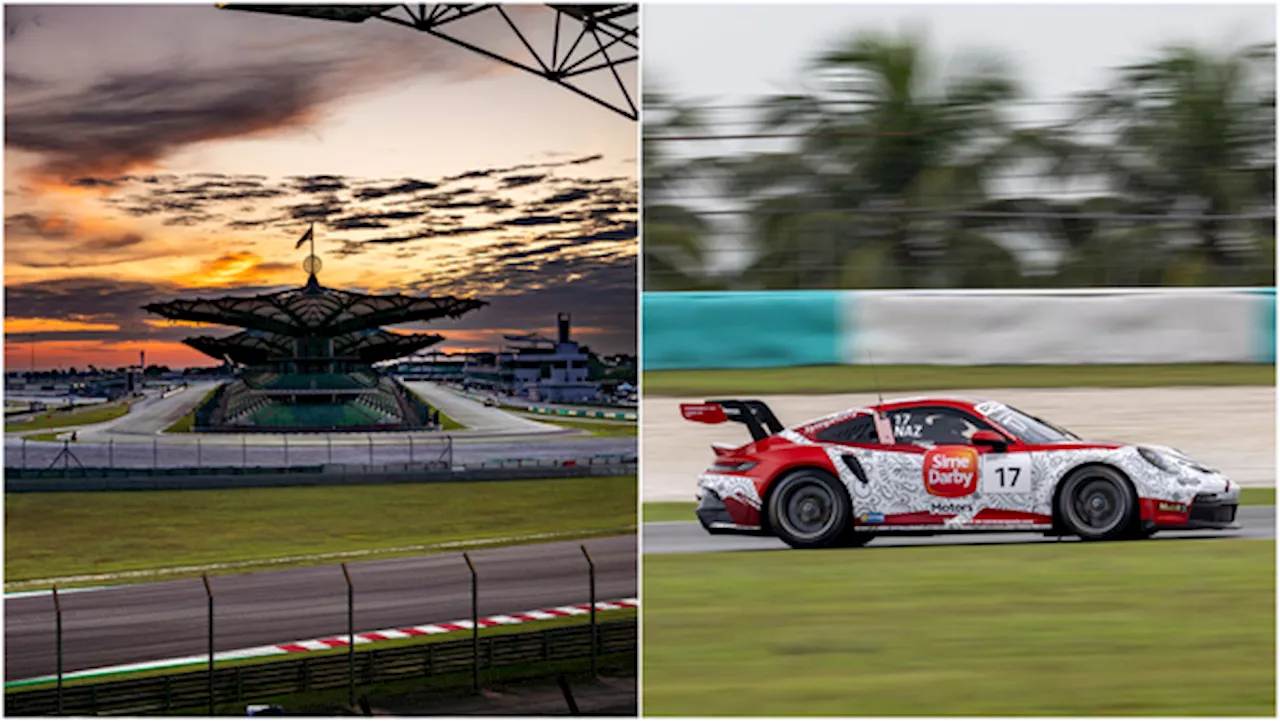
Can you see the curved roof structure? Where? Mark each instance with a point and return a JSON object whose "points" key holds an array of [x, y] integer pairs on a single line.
{"points": [[255, 348], [314, 310]]}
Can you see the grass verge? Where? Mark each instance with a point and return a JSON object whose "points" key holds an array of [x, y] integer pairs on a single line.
{"points": [[659, 511], [603, 429], [50, 535], [892, 379], [1160, 629], [183, 425], [80, 416]]}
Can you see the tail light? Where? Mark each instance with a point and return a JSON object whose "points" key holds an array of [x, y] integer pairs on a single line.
{"points": [[728, 466]]}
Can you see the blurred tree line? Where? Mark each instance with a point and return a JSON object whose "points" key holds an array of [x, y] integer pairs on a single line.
{"points": [[891, 172]]}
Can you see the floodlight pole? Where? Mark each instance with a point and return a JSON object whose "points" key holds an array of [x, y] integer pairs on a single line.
{"points": [[351, 637], [57, 609], [475, 627], [591, 582]]}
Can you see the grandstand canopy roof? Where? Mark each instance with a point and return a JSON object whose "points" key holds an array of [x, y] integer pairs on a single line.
{"points": [[255, 348], [314, 310]]}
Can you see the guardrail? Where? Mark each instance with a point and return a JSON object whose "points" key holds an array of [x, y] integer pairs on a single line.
{"points": [[81, 479], [159, 694]]}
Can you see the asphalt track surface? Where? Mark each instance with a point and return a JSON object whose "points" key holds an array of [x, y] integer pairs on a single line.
{"points": [[155, 621], [1259, 523]]}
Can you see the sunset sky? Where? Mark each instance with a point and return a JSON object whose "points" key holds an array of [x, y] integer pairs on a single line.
{"points": [[156, 152]]}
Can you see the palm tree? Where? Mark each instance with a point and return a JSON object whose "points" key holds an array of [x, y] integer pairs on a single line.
{"points": [[886, 137], [1192, 131], [675, 254]]}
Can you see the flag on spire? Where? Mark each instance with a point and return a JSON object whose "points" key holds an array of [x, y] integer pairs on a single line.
{"points": [[306, 236]]}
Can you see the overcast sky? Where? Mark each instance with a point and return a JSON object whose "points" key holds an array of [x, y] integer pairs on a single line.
{"points": [[164, 151], [735, 53]]}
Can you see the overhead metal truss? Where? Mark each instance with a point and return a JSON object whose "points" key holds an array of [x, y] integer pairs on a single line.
{"points": [[253, 348], [606, 37]]}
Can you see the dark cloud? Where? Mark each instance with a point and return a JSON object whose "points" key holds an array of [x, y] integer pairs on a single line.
{"points": [[404, 187], [539, 220], [319, 183], [316, 211], [516, 181], [138, 118], [568, 196]]}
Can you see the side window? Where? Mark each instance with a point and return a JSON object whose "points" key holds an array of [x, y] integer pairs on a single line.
{"points": [[857, 430], [934, 426]]}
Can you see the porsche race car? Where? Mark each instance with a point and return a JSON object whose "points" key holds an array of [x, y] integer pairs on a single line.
{"points": [[925, 466]]}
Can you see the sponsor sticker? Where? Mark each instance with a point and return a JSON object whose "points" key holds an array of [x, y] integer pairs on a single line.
{"points": [[871, 519], [943, 508], [1171, 507], [951, 471]]}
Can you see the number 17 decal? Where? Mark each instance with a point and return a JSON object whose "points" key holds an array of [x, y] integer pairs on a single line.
{"points": [[1006, 473]]}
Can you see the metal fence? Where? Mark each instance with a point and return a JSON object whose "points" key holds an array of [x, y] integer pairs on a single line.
{"points": [[306, 671], [159, 694]]}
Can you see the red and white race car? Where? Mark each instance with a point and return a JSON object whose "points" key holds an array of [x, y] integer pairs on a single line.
{"points": [[941, 465]]}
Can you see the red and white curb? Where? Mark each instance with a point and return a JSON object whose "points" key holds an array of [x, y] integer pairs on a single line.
{"points": [[331, 642], [321, 644]]}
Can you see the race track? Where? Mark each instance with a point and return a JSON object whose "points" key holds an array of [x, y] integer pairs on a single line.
{"points": [[155, 621], [137, 440], [688, 537]]}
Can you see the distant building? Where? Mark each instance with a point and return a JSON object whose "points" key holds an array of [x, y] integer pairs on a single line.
{"points": [[536, 368]]}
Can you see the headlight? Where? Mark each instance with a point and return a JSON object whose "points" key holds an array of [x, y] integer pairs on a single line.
{"points": [[1157, 460], [732, 467]]}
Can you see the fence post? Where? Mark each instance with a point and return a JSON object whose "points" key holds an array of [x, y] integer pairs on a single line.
{"points": [[199, 453], [410, 450], [24, 453], [111, 453], [475, 628], [370, 450], [57, 610], [328, 441], [155, 453], [244, 452], [285, 436], [208, 590], [591, 581], [351, 637]]}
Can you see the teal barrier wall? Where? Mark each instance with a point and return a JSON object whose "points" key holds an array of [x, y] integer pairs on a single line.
{"points": [[772, 329], [741, 329]]}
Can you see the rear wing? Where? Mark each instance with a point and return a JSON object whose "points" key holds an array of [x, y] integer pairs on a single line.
{"points": [[756, 415]]}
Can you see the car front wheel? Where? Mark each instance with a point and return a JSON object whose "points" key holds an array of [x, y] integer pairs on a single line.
{"points": [[1097, 504], [809, 509]]}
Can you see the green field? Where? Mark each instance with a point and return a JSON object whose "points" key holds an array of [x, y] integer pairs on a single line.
{"points": [[895, 379], [50, 535], [683, 510], [80, 416], [1109, 629]]}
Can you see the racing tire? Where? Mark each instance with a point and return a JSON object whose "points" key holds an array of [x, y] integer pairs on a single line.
{"points": [[809, 508], [1096, 503]]}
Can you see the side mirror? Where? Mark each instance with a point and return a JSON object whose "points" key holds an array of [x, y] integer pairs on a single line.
{"points": [[990, 439]]}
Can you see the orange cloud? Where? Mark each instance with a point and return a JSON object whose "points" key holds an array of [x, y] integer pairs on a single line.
{"points": [[235, 268], [52, 325], [81, 354]]}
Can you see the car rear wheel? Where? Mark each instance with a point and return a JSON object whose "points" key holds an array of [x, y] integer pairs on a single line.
{"points": [[809, 509], [1097, 504]]}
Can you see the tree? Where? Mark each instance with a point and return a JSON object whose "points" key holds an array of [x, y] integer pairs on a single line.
{"points": [[1192, 131], [887, 137]]}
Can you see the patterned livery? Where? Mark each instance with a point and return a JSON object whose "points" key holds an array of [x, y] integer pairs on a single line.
{"points": [[940, 465]]}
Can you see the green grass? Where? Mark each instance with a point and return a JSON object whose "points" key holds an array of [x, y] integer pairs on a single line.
{"points": [[893, 379], [184, 423], [448, 424], [50, 535], [1075, 629], [81, 416], [50, 436], [604, 429], [683, 510]]}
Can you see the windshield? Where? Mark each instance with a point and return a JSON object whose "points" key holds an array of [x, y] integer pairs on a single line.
{"points": [[1028, 428]]}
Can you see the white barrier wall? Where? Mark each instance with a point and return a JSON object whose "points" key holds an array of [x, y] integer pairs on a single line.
{"points": [[992, 328]]}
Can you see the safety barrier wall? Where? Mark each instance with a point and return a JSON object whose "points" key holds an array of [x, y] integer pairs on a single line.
{"points": [[769, 329]]}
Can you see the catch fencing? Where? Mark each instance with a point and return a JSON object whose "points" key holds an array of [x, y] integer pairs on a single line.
{"points": [[221, 681], [689, 330]]}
